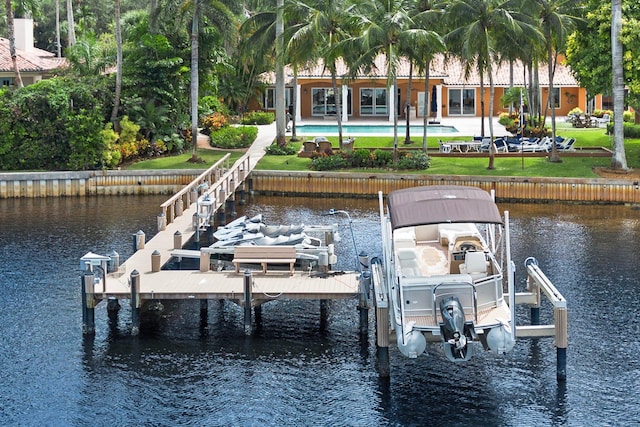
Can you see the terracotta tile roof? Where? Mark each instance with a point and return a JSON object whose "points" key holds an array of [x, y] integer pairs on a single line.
{"points": [[450, 70], [35, 60]]}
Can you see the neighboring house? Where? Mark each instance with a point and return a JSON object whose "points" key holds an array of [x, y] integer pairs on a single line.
{"points": [[456, 95], [34, 64]]}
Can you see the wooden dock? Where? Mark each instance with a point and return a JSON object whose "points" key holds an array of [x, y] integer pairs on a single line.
{"points": [[181, 219]]}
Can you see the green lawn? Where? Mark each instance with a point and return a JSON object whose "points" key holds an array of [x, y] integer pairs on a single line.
{"points": [[570, 167], [575, 167], [180, 161]]}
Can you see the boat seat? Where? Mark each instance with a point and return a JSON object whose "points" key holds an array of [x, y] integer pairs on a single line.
{"points": [[408, 262], [475, 264], [405, 238]]}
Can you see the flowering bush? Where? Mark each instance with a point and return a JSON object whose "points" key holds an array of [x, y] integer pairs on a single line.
{"points": [[214, 122]]}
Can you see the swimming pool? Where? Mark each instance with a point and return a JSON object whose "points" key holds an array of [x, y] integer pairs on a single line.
{"points": [[382, 130]]}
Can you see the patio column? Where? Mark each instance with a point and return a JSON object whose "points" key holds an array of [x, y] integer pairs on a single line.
{"points": [[345, 99], [439, 104], [298, 102], [392, 102]]}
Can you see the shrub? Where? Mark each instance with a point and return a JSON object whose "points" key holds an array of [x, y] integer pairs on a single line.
{"points": [[413, 160], [576, 112], [630, 130], [627, 116], [382, 158], [325, 163], [214, 122], [361, 158], [234, 137], [277, 150], [258, 118]]}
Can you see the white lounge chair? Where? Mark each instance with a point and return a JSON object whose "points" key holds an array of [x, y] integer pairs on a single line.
{"points": [[444, 147], [605, 119]]}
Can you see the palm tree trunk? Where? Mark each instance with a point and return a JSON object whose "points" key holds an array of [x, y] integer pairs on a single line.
{"points": [[58, 45], [71, 25], [194, 80], [618, 158], [407, 109], [426, 108], [280, 86], [481, 102], [118, 90], [12, 43], [337, 96], [294, 102], [554, 157], [491, 93]]}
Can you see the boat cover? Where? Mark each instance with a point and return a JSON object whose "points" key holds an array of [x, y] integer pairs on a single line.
{"points": [[437, 204]]}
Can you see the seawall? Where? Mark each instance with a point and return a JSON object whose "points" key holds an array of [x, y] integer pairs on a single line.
{"points": [[365, 185]]}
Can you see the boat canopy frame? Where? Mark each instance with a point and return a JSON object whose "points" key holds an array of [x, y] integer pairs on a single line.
{"points": [[441, 204]]}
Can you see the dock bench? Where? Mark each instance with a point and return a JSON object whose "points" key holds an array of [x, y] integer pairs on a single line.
{"points": [[264, 255]]}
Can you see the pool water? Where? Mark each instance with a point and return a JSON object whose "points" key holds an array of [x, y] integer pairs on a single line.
{"points": [[382, 130]]}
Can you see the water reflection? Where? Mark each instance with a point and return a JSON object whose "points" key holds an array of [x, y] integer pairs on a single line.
{"points": [[293, 370]]}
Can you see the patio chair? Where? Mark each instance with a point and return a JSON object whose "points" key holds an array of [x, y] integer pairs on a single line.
{"points": [[444, 147], [605, 119]]}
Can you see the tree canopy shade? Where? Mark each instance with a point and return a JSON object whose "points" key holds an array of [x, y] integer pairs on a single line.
{"points": [[589, 49]]}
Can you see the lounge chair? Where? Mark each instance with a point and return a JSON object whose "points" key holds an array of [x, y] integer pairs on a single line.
{"points": [[605, 119], [566, 144], [444, 147]]}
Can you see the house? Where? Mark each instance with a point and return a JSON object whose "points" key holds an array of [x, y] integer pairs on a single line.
{"points": [[34, 64], [455, 94]]}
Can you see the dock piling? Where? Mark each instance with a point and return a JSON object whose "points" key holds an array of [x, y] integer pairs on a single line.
{"points": [[135, 303], [363, 304], [162, 222], [88, 315], [247, 302], [177, 240], [155, 261], [138, 240]]}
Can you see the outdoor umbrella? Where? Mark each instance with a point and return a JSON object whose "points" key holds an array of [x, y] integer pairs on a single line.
{"points": [[434, 101]]}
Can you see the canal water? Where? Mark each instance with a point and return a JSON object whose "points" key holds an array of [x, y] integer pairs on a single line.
{"points": [[293, 370]]}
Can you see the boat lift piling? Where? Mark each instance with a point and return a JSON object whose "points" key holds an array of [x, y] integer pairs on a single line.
{"points": [[537, 284]]}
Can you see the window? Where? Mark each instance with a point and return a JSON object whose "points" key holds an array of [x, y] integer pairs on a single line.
{"points": [[373, 102], [323, 102], [556, 97], [462, 102], [6, 82], [269, 100]]}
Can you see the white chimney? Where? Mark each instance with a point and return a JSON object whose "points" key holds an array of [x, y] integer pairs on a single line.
{"points": [[23, 28]]}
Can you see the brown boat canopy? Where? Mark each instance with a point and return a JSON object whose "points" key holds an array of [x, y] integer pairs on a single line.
{"points": [[441, 204]]}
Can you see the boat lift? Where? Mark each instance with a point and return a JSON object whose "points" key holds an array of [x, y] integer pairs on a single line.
{"points": [[538, 284]]}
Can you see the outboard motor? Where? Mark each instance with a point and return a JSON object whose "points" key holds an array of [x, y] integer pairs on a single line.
{"points": [[456, 332]]}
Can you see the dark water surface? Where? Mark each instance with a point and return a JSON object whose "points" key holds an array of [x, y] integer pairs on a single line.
{"points": [[292, 371]]}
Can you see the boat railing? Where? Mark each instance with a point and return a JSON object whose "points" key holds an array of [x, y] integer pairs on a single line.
{"points": [[452, 287]]}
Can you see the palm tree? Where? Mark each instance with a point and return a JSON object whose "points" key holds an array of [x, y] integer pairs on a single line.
{"points": [[618, 159], [476, 26], [12, 42], [426, 14], [320, 32], [556, 26], [118, 89], [387, 27], [223, 20]]}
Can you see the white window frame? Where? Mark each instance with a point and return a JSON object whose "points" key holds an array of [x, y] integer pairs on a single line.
{"points": [[376, 108], [461, 91], [269, 98], [324, 111]]}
